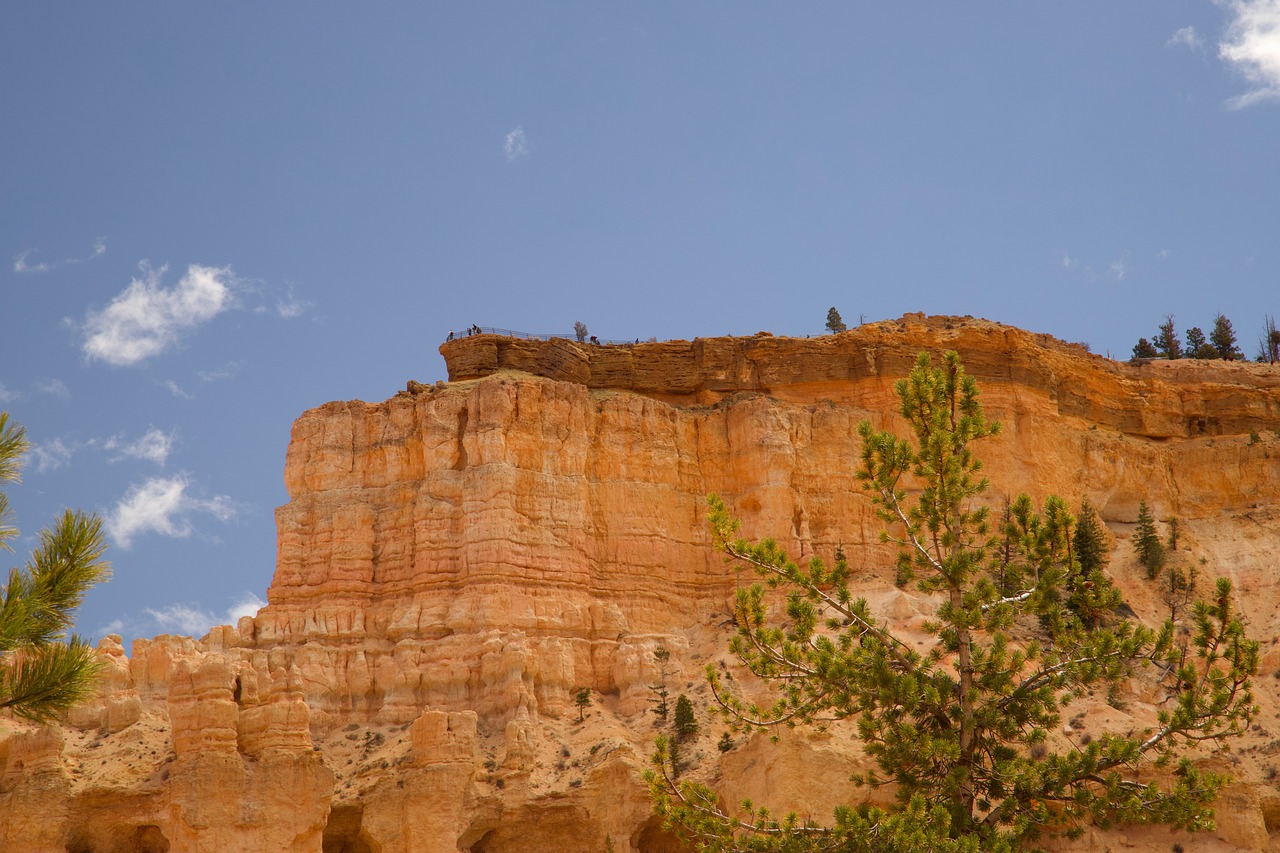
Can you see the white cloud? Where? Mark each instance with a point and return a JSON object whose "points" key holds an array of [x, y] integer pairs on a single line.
{"points": [[247, 605], [290, 306], [183, 619], [20, 264], [153, 446], [1162, 255], [161, 505], [195, 622], [516, 146], [1186, 37], [7, 396], [146, 319], [52, 455], [1252, 47], [54, 388], [115, 626], [1067, 261], [1118, 268], [176, 390], [221, 373]]}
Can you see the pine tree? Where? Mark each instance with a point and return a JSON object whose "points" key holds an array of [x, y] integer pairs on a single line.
{"points": [[959, 729], [685, 724], [1166, 341], [1178, 588], [1197, 346], [1090, 594], [1089, 541], [835, 324], [1147, 544], [44, 673], [661, 707], [1144, 349], [1223, 338], [581, 698]]}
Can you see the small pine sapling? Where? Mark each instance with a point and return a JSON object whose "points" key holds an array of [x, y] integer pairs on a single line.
{"points": [[582, 698]]}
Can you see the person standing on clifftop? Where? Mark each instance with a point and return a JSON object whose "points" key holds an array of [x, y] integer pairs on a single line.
{"points": [[450, 335]]}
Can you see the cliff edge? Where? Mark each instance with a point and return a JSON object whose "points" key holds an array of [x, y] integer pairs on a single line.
{"points": [[455, 561]]}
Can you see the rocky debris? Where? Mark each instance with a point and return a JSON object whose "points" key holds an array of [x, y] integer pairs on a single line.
{"points": [[455, 562]]}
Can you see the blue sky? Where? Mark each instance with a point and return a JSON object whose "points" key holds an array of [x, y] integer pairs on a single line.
{"points": [[215, 216]]}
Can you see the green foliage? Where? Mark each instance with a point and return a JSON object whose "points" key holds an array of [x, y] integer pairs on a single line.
{"points": [[960, 728], [1178, 588], [1197, 346], [1089, 541], [686, 724], [1147, 544], [725, 743], [1166, 341], [1223, 339], [661, 707], [1144, 349], [835, 324], [581, 698], [43, 673]]}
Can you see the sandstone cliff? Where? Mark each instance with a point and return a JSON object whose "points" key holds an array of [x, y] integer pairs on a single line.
{"points": [[455, 561]]}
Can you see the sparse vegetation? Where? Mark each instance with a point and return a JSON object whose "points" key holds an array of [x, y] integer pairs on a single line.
{"points": [[1166, 341], [1269, 341], [661, 705], [1147, 544], [1144, 349], [956, 727], [581, 698], [1223, 338], [835, 324], [686, 725]]}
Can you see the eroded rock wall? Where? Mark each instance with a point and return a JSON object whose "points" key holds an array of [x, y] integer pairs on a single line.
{"points": [[454, 562]]}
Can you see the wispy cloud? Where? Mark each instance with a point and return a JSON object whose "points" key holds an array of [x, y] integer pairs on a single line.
{"points": [[516, 145], [1162, 255], [146, 318], [176, 390], [1252, 47], [54, 388], [162, 506], [1067, 261], [154, 446], [196, 622], [21, 265], [1186, 37], [1119, 268], [189, 619], [225, 372], [52, 455], [7, 396], [290, 306]]}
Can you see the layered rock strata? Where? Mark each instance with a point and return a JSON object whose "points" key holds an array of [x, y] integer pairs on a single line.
{"points": [[454, 562]]}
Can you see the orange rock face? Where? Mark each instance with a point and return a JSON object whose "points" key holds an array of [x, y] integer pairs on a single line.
{"points": [[454, 562]]}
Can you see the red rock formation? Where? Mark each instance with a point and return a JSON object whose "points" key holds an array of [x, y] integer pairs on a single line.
{"points": [[455, 561]]}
